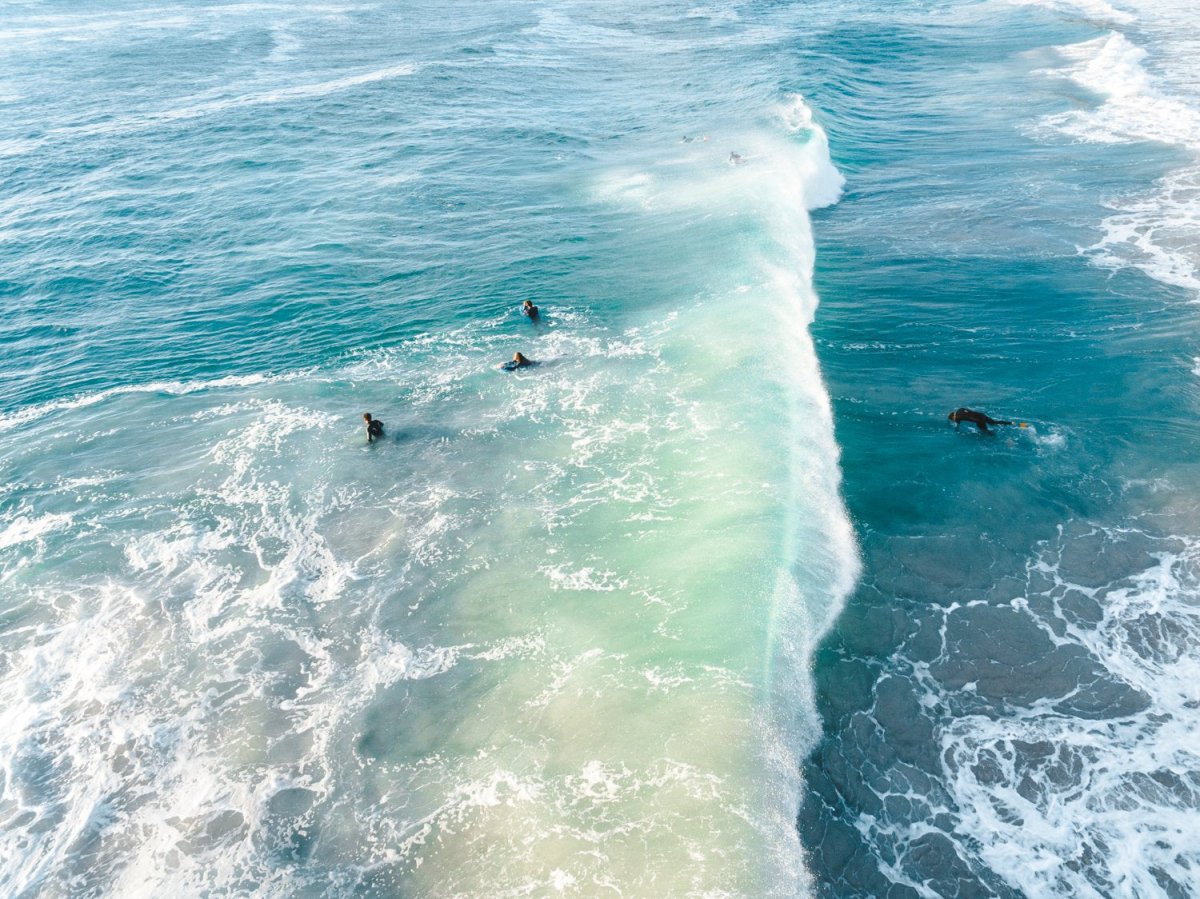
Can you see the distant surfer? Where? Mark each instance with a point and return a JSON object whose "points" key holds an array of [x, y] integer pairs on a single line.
{"points": [[374, 428], [530, 310], [518, 361], [979, 419], [736, 159]]}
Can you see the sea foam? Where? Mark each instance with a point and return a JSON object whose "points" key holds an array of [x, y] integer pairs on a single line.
{"points": [[1098, 805], [554, 630], [1157, 232]]}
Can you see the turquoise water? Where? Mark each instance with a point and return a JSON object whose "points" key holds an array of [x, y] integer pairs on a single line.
{"points": [[713, 601], [552, 633]]}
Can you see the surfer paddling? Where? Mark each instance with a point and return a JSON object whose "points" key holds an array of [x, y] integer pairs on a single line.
{"points": [[519, 360], [527, 308], [979, 419]]}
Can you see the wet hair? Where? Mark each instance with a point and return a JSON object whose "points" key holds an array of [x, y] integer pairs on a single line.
{"points": [[366, 416]]}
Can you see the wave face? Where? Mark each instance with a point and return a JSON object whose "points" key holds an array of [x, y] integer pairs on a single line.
{"points": [[552, 634], [1009, 697]]}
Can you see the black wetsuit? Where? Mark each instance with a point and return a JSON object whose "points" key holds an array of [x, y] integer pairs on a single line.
{"points": [[532, 312], [374, 429], [958, 416]]}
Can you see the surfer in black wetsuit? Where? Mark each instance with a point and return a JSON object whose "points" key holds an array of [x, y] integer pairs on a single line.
{"points": [[531, 310], [976, 418], [374, 428]]}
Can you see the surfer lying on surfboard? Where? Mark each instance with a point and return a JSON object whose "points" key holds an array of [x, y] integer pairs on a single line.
{"points": [[519, 360], [976, 418]]}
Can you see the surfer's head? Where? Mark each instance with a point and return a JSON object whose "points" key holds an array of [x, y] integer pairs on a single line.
{"points": [[519, 359], [367, 417]]}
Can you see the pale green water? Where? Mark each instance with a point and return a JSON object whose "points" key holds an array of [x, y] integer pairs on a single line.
{"points": [[551, 634]]}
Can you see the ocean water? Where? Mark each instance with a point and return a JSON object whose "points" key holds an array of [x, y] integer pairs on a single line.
{"points": [[1009, 699], [711, 602], [549, 636]]}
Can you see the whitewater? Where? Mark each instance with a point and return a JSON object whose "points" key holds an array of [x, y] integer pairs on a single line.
{"points": [[713, 601], [1008, 698], [552, 634]]}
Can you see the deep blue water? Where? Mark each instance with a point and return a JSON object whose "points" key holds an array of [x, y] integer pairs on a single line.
{"points": [[1007, 695], [714, 601]]}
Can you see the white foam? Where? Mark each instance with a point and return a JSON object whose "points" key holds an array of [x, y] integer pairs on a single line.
{"points": [[17, 146], [781, 178], [1158, 232], [583, 579], [23, 528], [1132, 107], [797, 167], [1053, 439], [387, 661], [172, 388], [165, 552], [1097, 11], [1085, 786], [501, 635], [1113, 807]]}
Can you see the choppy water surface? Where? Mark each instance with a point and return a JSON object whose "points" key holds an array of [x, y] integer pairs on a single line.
{"points": [[1010, 699], [601, 626], [550, 635]]}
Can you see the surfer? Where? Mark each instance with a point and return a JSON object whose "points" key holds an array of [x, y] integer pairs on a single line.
{"points": [[979, 419], [736, 159], [374, 427], [530, 310], [518, 361]]}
